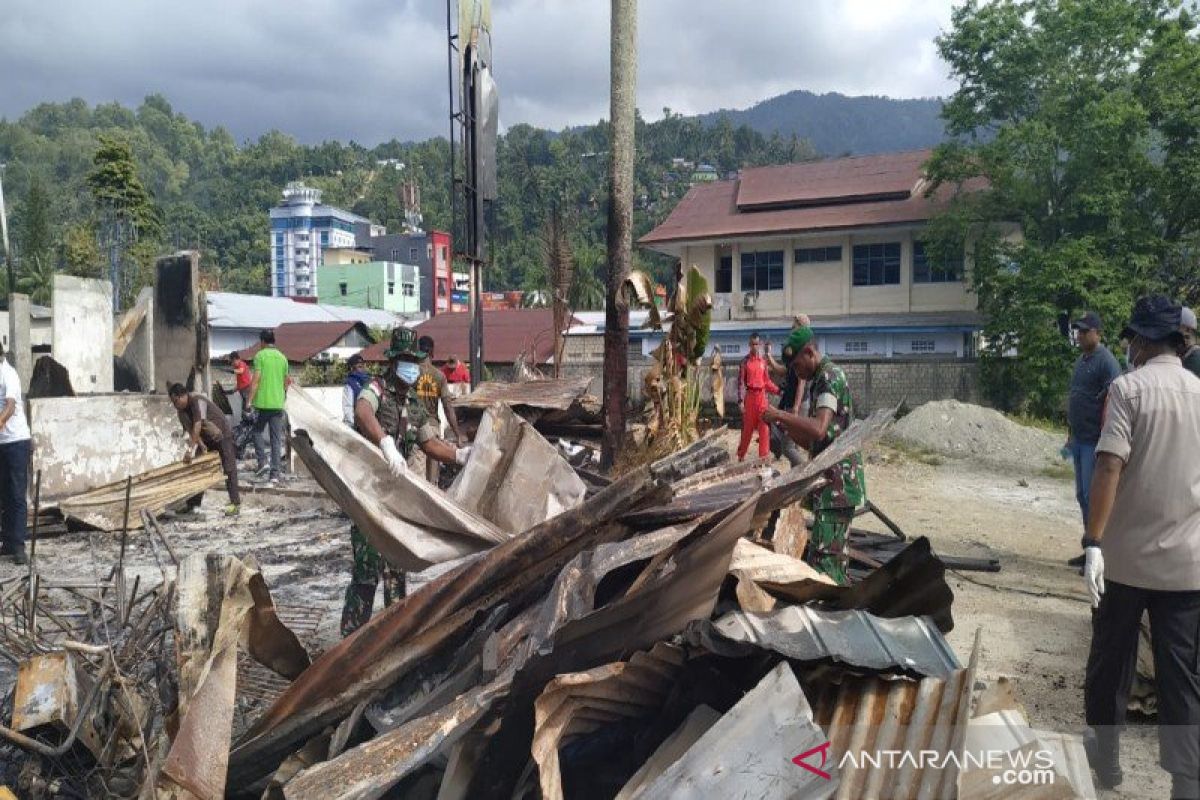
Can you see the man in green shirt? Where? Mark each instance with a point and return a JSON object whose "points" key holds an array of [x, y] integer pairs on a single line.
{"points": [[830, 412], [268, 390]]}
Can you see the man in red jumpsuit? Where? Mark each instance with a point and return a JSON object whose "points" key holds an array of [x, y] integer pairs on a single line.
{"points": [[754, 382]]}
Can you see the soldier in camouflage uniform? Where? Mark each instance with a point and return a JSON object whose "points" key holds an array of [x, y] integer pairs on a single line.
{"points": [[389, 413], [830, 412]]}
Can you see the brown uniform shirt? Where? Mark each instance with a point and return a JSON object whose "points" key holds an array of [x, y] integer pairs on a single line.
{"points": [[213, 425], [1152, 423]]}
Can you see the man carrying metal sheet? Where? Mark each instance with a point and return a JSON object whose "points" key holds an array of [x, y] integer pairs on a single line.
{"points": [[389, 413], [830, 412], [208, 429]]}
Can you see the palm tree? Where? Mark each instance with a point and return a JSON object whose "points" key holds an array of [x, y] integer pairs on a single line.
{"points": [[622, 113], [37, 279]]}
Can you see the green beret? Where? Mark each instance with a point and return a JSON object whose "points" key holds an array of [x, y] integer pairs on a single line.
{"points": [[799, 338]]}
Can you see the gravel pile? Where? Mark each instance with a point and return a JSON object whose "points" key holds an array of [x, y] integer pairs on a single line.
{"points": [[962, 430]]}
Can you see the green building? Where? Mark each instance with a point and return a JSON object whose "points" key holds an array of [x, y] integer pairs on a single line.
{"points": [[349, 278]]}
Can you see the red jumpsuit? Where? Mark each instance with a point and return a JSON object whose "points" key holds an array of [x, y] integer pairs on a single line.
{"points": [[754, 381]]}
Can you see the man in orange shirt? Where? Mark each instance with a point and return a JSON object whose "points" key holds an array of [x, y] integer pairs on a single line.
{"points": [[754, 382]]}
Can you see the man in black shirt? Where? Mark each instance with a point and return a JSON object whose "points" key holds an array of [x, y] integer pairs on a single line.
{"points": [[207, 429], [1094, 371]]}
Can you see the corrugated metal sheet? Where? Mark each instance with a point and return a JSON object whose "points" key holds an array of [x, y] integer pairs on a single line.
{"points": [[506, 334], [913, 644], [875, 715], [837, 180], [553, 394]]}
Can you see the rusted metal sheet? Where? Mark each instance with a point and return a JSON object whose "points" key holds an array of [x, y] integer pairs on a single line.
{"points": [[412, 523], [515, 478], [874, 716], [153, 491], [805, 633], [549, 394], [221, 600], [389, 646], [367, 771], [575, 704], [748, 752], [49, 692]]}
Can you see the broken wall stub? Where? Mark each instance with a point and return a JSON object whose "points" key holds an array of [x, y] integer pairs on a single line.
{"points": [[180, 330], [80, 443], [136, 345], [20, 346], [81, 330]]}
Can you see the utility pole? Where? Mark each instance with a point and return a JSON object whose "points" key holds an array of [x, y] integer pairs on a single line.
{"points": [[623, 96], [4, 240]]}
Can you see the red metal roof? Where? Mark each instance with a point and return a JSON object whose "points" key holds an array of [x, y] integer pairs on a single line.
{"points": [[842, 180], [300, 341], [801, 198], [506, 334]]}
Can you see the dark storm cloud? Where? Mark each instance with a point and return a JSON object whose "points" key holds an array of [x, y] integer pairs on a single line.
{"points": [[371, 70]]}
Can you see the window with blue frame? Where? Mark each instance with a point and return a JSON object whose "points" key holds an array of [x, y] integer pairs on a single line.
{"points": [[818, 255], [324, 238], [762, 271], [926, 269], [877, 264]]}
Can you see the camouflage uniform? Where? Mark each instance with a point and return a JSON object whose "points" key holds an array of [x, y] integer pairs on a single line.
{"points": [[405, 418], [833, 507], [431, 389]]}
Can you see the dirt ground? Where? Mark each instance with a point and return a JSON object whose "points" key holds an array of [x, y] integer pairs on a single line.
{"points": [[1033, 613]]}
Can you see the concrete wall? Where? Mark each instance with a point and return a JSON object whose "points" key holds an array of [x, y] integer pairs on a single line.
{"points": [[80, 443], [19, 345], [82, 332], [180, 323], [874, 383], [140, 351]]}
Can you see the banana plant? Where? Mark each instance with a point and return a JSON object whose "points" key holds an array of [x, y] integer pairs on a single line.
{"points": [[672, 383]]}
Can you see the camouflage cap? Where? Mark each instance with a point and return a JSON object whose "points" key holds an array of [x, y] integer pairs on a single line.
{"points": [[404, 343]]}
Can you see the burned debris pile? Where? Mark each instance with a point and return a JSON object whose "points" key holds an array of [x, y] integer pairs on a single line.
{"points": [[650, 636]]}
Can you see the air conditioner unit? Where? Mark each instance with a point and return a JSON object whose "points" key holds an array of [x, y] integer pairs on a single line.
{"points": [[748, 300]]}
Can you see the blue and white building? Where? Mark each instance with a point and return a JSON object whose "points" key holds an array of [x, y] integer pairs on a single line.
{"points": [[301, 228]]}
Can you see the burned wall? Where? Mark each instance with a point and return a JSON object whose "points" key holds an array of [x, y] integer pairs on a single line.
{"points": [[80, 443], [180, 332], [81, 330]]}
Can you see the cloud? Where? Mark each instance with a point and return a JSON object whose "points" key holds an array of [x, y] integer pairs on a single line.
{"points": [[371, 70]]}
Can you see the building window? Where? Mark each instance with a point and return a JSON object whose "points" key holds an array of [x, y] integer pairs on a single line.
{"points": [[342, 288], [412, 255], [443, 252], [324, 238], [395, 254], [429, 252], [926, 270], [856, 346], [730, 349], [725, 275], [391, 287], [762, 272], [818, 255], [409, 290], [441, 284], [877, 264], [922, 346]]}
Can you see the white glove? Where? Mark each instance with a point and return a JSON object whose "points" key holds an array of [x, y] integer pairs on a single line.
{"points": [[396, 463], [462, 454], [1093, 573]]}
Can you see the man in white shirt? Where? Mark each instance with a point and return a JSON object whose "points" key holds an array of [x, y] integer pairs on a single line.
{"points": [[1142, 550], [14, 464]]}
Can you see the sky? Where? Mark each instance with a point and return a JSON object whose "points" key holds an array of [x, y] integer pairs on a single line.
{"points": [[373, 70]]}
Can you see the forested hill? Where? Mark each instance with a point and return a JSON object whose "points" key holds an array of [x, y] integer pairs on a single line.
{"points": [[201, 189], [836, 124]]}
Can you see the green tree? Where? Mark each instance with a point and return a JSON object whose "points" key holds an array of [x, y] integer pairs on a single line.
{"points": [[1078, 116], [36, 278], [37, 236], [129, 221]]}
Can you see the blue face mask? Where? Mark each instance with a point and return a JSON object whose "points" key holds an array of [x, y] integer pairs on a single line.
{"points": [[408, 372]]}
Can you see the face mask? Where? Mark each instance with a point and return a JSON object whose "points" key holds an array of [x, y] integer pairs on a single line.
{"points": [[408, 372]]}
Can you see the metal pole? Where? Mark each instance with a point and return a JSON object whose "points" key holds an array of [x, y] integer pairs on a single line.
{"points": [[7, 253]]}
